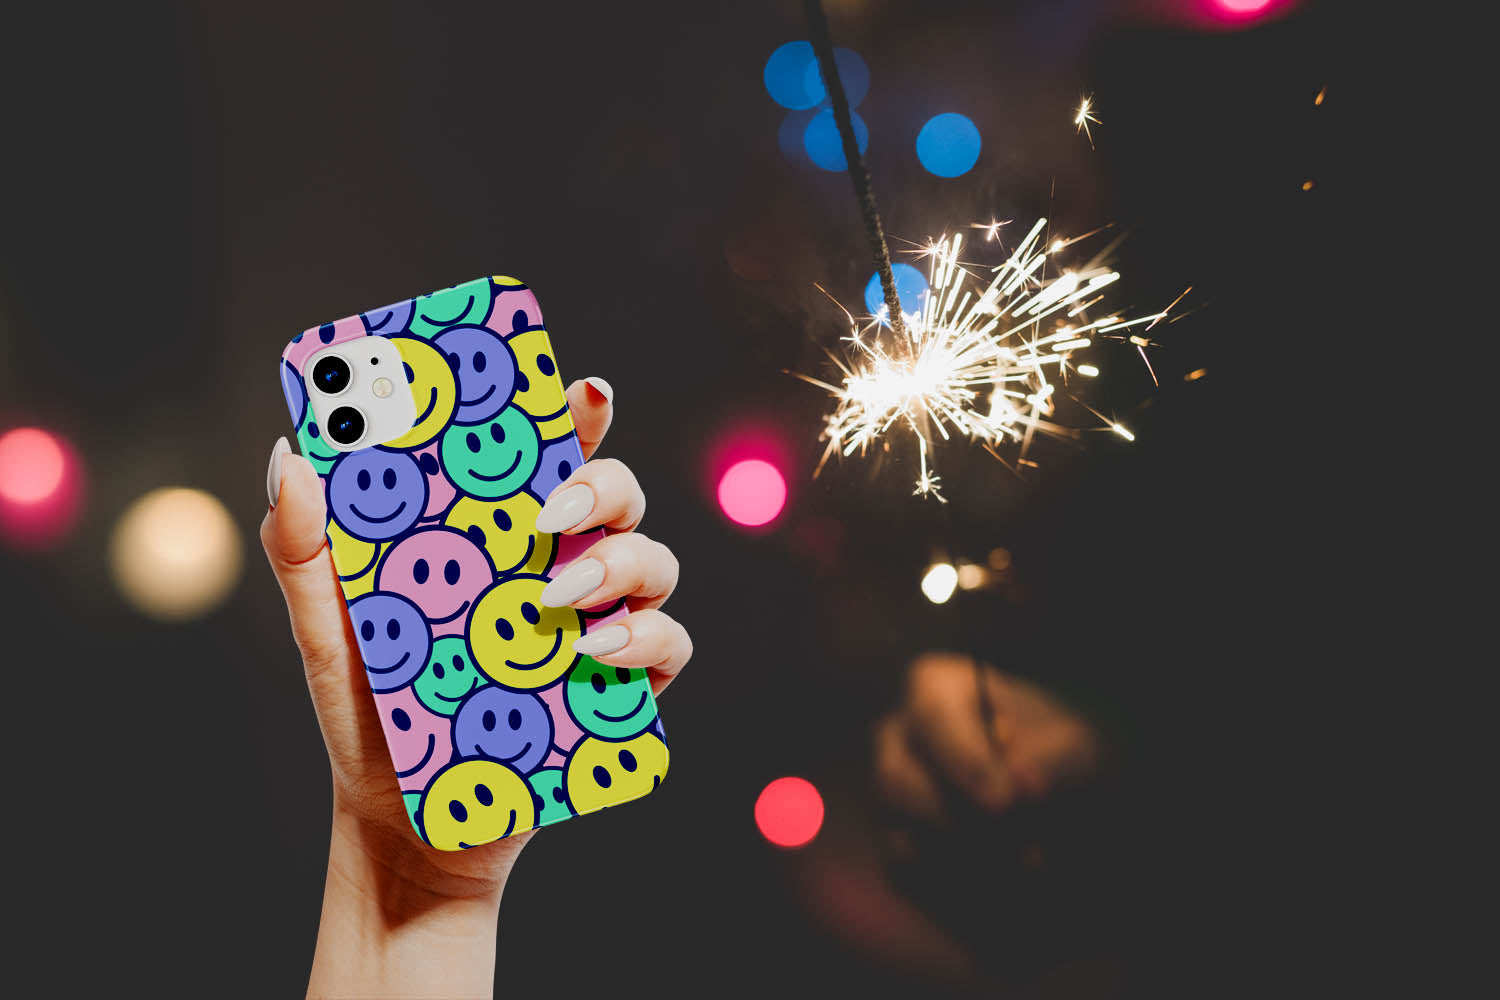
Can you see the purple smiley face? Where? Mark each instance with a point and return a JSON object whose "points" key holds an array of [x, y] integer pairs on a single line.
{"points": [[559, 460], [375, 495], [512, 727], [486, 371], [295, 392], [393, 639], [388, 321]]}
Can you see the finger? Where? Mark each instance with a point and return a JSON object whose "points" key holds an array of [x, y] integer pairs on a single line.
{"points": [[900, 776], [947, 726], [602, 492], [629, 565], [649, 640], [591, 402]]}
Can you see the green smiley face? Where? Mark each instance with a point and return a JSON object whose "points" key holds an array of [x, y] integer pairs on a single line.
{"points": [[611, 702], [552, 799], [314, 448], [449, 676], [492, 460], [468, 303], [412, 801]]}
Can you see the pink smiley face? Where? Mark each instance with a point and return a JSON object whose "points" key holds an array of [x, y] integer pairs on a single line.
{"points": [[421, 742], [441, 571], [515, 309]]}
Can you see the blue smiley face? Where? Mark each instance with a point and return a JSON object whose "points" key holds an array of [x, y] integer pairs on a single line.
{"points": [[376, 495], [388, 321], [393, 639], [295, 392], [557, 462], [492, 460], [513, 727], [486, 371]]}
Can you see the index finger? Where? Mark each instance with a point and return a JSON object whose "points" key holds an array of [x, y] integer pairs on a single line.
{"points": [[591, 402]]}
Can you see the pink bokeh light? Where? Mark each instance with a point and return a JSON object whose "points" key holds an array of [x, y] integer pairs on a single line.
{"points": [[752, 492], [789, 812], [40, 487]]}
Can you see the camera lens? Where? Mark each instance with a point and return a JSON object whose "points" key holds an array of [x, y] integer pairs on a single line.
{"points": [[346, 425], [331, 374]]}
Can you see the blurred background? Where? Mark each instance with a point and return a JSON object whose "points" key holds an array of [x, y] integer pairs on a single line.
{"points": [[187, 186]]}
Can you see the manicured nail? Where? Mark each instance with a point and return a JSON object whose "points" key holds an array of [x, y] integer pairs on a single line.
{"points": [[602, 387], [273, 471], [583, 577], [565, 508], [609, 639]]}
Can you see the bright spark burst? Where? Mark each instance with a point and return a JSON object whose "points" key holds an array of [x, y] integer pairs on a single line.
{"points": [[1084, 116], [980, 359]]}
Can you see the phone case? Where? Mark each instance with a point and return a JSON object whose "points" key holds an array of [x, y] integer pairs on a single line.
{"points": [[495, 726]]}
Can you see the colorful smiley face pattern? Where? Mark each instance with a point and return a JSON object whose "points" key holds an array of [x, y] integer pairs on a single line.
{"points": [[494, 725]]}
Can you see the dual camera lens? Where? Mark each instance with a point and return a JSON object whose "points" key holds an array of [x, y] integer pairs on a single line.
{"points": [[331, 375]]}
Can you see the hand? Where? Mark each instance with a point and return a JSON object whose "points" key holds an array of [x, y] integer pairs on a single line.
{"points": [[991, 745], [432, 913]]}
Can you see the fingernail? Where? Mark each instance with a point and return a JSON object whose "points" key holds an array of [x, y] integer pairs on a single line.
{"points": [[273, 471], [565, 508], [602, 387], [583, 577], [607, 640]]}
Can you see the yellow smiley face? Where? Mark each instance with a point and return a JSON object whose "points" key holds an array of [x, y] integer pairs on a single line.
{"points": [[518, 641], [474, 802], [355, 559], [604, 773], [539, 389], [434, 391], [506, 529]]}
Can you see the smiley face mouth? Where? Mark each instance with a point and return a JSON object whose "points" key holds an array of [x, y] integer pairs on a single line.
{"points": [[312, 455], [443, 697], [385, 670], [513, 757], [380, 520], [468, 304], [431, 405], [544, 417], [482, 397], [426, 757], [443, 621], [509, 829], [556, 645], [627, 715], [496, 479]]}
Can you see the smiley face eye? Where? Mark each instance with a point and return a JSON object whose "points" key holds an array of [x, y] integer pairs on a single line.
{"points": [[530, 613], [455, 361], [419, 571], [411, 376], [429, 464], [401, 719], [544, 364], [623, 674], [503, 628], [450, 571], [564, 469], [393, 629], [483, 795], [514, 719], [312, 430], [601, 776], [487, 720], [367, 631], [363, 479], [498, 433], [437, 671], [479, 361], [523, 384], [627, 760], [457, 811], [472, 440], [476, 533], [389, 478], [458, 664], [557, 794], [598, 682], [502, 520]]}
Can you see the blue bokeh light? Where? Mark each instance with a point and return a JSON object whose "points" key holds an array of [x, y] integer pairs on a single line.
{"points": [[822, 142], [852, 70], [786, 76], [910, 286], [948, 145]]}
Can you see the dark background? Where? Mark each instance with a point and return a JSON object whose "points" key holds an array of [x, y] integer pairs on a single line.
{"points": [[187, 187]]}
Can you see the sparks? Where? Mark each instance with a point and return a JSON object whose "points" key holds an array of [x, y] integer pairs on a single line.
{"points": [[981, 358], [1084, 116]]}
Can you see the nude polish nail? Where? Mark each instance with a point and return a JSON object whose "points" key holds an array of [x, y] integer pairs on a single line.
{"points": [[609, 639], [273, 471], [565, 508], [582, 577]]}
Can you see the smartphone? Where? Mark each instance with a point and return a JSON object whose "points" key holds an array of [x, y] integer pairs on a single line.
{"points": [[438, 426]]}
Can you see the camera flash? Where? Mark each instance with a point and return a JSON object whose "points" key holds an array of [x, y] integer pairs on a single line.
{"points": [[381, 387]]}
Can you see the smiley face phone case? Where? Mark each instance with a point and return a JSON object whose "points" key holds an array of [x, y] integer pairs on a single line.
{"points": [[495, 726]]}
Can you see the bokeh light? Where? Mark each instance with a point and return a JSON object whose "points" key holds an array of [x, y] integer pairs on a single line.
{"points": [[175, 554], [789, 812], [1240, 7], [939, 581], [948, 144], [911, 285], [40, 487], [823, 144], [786, 75], [752, 492], [852, 71]]}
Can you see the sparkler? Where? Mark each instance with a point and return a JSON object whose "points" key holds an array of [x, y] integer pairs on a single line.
{"points": [[1084, 116], [980, 359]]}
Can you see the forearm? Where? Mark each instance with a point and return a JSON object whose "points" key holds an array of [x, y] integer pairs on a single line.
{"points": [[383, 935]]}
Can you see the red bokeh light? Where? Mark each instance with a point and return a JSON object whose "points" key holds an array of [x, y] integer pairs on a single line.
{"points": [[789, 812], [1242, 7], [752, 492], [40, 486]]}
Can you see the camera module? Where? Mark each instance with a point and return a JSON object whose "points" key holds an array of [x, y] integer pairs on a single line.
{"points": [[346, 425], [331, 374]]}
